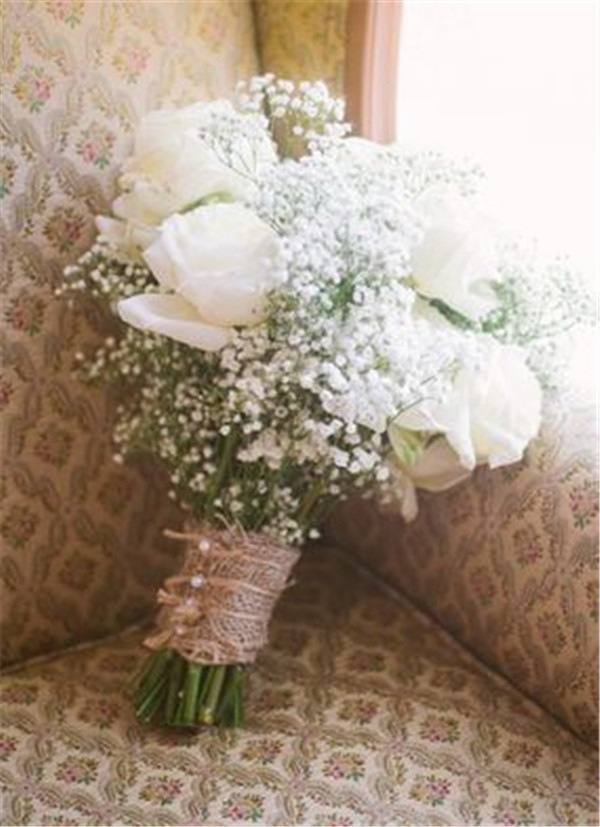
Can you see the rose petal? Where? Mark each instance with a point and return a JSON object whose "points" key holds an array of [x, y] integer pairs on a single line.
{"points": [[456, 258], [438, 468], [172, 316], [218, 258]]}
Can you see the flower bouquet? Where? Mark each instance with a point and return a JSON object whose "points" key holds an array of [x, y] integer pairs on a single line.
{"points": [[307, 315]]}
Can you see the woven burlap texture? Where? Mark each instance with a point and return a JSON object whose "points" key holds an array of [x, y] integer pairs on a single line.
{"points": [[217, 609]]}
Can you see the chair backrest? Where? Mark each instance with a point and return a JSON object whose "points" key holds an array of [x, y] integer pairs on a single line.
{"points": [[82, 537], [304, 40]]}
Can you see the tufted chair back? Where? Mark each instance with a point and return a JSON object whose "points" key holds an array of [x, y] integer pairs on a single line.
{"points": [[82, 548]]}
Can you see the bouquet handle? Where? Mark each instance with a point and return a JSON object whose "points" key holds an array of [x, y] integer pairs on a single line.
{"points": [[213, 621]]}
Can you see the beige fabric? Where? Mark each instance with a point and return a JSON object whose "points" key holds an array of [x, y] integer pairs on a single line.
{"points": [[508, 563], [303, 40], [360, 712], [82, 547]]}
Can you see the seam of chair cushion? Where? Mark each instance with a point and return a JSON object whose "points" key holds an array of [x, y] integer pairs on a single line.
{"points": [[73, 648], [396, 594]]}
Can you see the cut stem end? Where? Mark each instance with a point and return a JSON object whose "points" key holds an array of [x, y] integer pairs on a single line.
{"points": [[177, 693]]}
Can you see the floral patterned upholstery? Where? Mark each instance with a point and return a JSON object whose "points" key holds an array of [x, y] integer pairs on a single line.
{"points": [[508, 563], [360, 712], [82, 547], [303, 40]]}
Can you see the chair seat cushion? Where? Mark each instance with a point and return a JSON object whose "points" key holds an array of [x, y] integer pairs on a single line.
{"points": [[360, 711]]}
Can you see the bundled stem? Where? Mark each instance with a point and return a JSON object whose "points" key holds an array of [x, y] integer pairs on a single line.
{"points": [[216, 608], [174, 691]]}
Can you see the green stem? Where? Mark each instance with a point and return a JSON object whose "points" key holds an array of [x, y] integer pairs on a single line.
{"points": [[226, 695], [222, 470], [172, 701], [322, 510], [309, 501], [217, 677], [150, 670], [152, 700], [231, 696], [178, 693], [207, 670], [193, 681]]}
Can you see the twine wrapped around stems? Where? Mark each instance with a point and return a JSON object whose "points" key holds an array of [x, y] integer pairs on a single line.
{"points": [[217, 609]]}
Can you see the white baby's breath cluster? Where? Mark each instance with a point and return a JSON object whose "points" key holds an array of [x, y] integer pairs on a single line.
{"points": [[316, 315], [303, 118], [542, 303]]}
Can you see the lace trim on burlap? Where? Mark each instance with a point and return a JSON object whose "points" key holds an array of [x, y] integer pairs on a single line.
{"points": [[217, 610]]}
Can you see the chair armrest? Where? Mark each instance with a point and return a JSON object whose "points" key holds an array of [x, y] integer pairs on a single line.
{"points": [[507, 562]]}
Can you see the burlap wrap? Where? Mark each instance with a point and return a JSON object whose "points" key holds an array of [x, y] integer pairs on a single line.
{"points": [[217, 610]]}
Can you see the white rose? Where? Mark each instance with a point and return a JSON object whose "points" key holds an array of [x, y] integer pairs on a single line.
{"points": [[172, 167], [436, 467], [158, 127], [127, 238], [455, 260], [217, 263], [492, 412]]}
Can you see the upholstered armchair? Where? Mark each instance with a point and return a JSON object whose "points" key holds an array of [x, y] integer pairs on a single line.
{"points": [[442, 672]]}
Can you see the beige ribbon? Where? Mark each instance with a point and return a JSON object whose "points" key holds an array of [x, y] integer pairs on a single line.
{"points": [[217, 610]]}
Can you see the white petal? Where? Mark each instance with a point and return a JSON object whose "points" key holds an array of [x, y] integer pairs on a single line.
{"points": [[409, 507], [456, 425], [505, 407], [452, 418], [438, 467], [227, 298], [219, 258], [127, 238], [157, 257], [456, 259], [173, 317], [143, 204], [112, 229], [421, 417]]}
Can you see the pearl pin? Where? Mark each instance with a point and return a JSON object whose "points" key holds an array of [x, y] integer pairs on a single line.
{"points": [[204, 545], [197, 581]]}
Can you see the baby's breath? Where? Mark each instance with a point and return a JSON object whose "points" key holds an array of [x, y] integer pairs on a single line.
{"points": [[292, 414]]}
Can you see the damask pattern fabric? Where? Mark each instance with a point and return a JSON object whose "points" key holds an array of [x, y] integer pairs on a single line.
{"points": [[508, 563], [360, 712], [82, 547], [303, 40]]}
